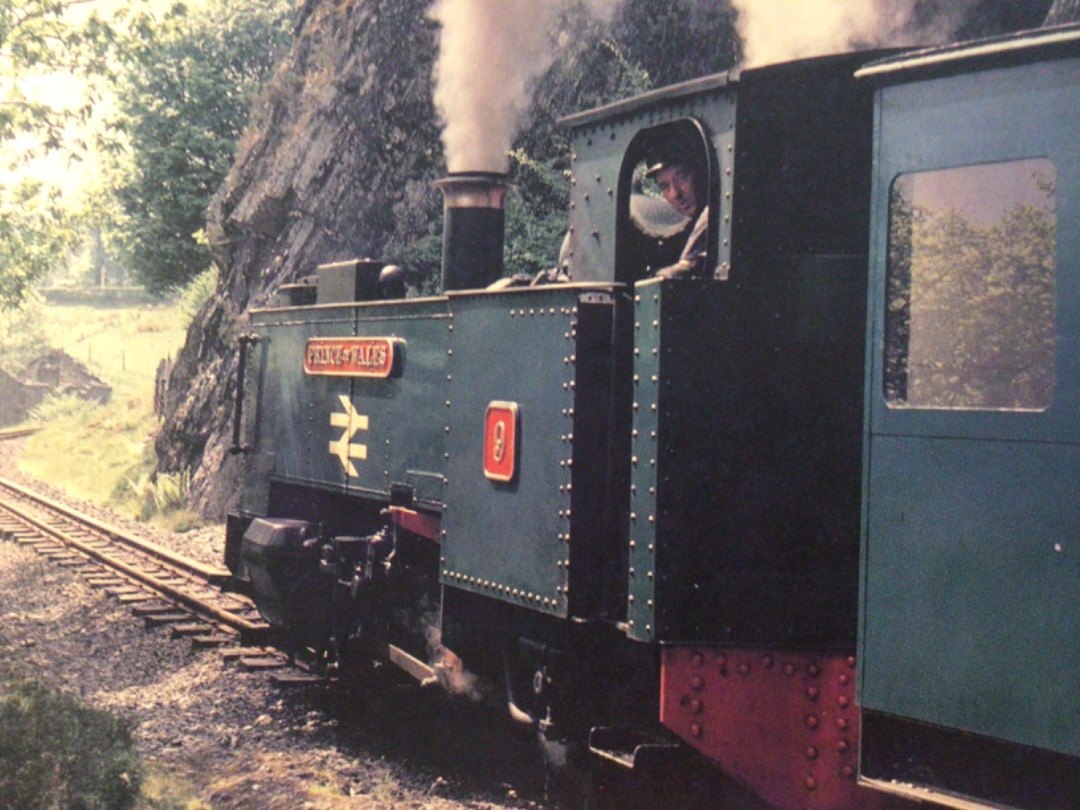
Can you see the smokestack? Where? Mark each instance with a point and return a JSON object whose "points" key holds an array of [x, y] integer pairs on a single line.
{"points": [[473, 228]]}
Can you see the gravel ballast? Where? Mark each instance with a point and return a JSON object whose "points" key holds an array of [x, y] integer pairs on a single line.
{"points": [[238, 740]]}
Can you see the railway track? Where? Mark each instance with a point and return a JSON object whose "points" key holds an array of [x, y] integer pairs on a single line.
{"points": [[18, 432], [161, 587]]}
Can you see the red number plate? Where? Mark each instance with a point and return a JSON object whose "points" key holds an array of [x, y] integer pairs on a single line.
{"points": [[501, 441]]}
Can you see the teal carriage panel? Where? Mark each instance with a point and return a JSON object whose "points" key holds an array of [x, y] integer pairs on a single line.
{"points": [[970, 604], [972, 587], [341, 419], [519, 442]]}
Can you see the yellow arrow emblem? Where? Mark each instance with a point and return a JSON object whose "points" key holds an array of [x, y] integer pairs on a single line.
{"points": [[344, 448]]}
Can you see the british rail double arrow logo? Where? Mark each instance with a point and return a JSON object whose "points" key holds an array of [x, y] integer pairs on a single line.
{"points": [[344, 448]]}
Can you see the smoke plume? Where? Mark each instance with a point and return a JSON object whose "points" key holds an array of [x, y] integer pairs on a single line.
{"points": [[779, 30], [491, 52]]}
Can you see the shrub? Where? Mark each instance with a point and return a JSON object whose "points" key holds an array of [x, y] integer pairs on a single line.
{"points": [[22, 336], [57, 752], [160, 493], [196, 292], [69, 407]]}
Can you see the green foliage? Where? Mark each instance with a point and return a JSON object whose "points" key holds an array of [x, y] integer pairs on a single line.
{"points": [[196, 292], [33, 36], [676, 40], [69, 407], [35, 234], [22, 334], [184, 88], [422, 260], [160, 493], [56, 752], [633, 78], [535, 217], [90, 263]]}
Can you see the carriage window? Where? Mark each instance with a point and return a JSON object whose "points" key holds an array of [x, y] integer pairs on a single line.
{"points": [[970, 281]]}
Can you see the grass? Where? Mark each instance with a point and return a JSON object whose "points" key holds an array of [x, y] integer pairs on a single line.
{"points": [[104, 453], [168, 790]]}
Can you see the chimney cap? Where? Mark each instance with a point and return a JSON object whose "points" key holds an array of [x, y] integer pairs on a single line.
{"points": [[474, 189]]}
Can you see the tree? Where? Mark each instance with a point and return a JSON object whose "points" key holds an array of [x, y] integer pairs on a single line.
{"points": [[184, 85], [34, 36], [35, 233], [676, 40]]}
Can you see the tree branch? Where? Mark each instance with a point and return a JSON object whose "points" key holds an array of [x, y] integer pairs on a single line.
{"points": [[43, 11]]}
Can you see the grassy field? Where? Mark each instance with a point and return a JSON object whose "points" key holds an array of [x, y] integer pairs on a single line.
{"points": [[103, 453]]}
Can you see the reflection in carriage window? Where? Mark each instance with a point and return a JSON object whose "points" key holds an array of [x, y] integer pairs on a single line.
{"points": [[969, 310], [667, 212]]}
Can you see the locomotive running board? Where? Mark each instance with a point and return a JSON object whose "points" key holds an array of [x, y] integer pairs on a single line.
{"points": [[925, 794], [414, 666], [632, 750]]}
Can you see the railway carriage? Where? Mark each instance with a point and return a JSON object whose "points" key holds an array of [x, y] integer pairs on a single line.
{"points": [[969, 584], [807, 514]]}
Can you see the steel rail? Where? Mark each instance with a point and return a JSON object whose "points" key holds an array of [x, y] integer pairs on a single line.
{"points": [[212, 575], [18, 432], [198, 606]]}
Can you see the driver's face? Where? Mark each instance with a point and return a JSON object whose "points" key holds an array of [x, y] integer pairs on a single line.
{"points": [[679, 188]]}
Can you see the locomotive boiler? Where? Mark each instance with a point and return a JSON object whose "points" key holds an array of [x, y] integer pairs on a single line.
{"points": [[809, 512]]}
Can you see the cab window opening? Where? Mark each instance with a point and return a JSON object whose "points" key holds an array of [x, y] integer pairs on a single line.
{"points": [[665, 188]]}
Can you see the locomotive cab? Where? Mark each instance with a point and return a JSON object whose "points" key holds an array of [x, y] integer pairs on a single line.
{"points": [[666, 185], [620, 228], [745, 409]]}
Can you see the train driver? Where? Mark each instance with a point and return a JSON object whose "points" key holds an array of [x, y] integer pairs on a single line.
{"points": [[682, 182]]}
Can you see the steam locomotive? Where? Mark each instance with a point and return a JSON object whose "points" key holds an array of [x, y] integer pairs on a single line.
{"points": [[812, 514]]}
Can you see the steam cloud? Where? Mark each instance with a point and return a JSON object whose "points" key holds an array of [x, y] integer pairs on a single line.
{"points": [[779, 30], [450, 673], [490, 54]]}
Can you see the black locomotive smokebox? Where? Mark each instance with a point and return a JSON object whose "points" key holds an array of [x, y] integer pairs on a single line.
{"points": [[279, 565]]}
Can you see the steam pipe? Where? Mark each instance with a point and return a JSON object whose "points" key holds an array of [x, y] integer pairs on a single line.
{"points": [[473, 229]]}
